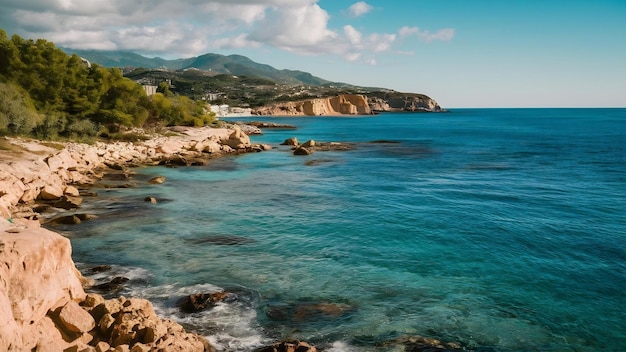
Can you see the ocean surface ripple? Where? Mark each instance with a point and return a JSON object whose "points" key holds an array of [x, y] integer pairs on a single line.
{"points": [[501, 229]]}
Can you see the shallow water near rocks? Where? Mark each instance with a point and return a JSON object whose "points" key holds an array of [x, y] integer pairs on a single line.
{"points": [[500, 229]]}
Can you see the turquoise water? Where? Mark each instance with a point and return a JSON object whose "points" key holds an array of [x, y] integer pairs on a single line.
{"points": [[501, 229]]}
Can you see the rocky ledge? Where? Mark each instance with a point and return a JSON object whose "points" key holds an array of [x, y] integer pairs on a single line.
{"points": [[32, 170]]}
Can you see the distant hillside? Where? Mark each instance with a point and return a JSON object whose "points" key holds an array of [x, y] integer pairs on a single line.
{"points": [[237, 65], [236, 80]]}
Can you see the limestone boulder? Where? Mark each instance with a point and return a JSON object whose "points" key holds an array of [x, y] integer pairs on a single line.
{"points": [[68, 202], [237, 139], [293, 141], [302, 151], [38, 275], [53, 188], [157, 180], [61, 160], [75, 319], [131, 322], [169, 147], [308, 144], [11, 187]]}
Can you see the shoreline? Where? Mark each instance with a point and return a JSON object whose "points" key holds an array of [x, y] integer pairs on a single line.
{"points": [[58, 175], [43, 304]]}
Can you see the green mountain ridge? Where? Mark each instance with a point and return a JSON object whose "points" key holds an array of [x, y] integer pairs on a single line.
{"points": [[237, 65]]}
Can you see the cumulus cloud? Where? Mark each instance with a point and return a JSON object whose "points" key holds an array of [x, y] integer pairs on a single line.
{"points": [[352, 34], [302, 29], [186, 28], [445, 34], [359, 9]]}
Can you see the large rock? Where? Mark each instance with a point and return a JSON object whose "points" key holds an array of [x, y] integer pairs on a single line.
{"points": [[75, 319], [201, 301], [131, 322], [37, 275], [293, 141], [61, 160], [53, 188], [237, 139], [157, 180]]}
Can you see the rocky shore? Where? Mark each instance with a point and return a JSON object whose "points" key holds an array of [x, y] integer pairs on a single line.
{"points": [[43, 304]]}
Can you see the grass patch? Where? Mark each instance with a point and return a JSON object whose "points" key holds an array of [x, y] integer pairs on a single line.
{"points": [[53, 145]]}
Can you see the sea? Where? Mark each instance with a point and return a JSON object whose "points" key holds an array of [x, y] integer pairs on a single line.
{"points": [[497, 229]]}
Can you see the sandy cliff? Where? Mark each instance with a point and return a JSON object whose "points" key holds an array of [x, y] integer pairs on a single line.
{"points": [[347, 104], [351, 104]]}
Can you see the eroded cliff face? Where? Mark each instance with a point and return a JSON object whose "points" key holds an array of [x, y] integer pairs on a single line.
{"points": [[409, 102], [345, 104], [352, 104]]}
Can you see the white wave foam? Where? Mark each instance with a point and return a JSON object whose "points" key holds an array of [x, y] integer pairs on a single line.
{"points": [[228, 326]]}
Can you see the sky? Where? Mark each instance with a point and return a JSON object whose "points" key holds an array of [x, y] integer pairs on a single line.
{"points": [[462, 53]]}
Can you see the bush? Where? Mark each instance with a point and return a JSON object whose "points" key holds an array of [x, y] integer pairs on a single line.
{"points": [[17, 115]]}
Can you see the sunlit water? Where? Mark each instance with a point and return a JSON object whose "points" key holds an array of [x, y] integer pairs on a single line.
{"points": [[501, 229]]}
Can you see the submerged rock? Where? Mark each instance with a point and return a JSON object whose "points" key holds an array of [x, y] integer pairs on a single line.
{"points": [[114, 285], [201, 301], [157, 180], [289, 346], [307, 311], [68, 202], [418, 343], [152, 200], [302, 151], [72, 219], [223, 240]]}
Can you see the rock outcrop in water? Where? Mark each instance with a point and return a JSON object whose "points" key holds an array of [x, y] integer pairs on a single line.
{"points": [[352, 104]]}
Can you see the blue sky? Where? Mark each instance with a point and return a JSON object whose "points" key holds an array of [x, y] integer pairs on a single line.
{"points": [[462, 53]]}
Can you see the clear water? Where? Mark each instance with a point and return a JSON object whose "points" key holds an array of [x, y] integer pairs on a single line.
{"points": [[501, 229]]}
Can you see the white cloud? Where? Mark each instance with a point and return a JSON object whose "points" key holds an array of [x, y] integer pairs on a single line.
{"points": [[192, 27], [380, 42], [301, 29], [352, 34], [359, 9], [445, 34]]}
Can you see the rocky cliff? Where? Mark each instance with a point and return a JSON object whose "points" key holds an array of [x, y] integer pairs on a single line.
{"points": [[408, 102], [347, 104], [352, 104]]}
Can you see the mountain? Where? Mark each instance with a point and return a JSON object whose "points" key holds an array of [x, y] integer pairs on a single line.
{"points": [[236, 65]]}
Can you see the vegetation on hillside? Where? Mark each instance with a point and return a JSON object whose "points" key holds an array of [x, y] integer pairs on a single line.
{"points": [[243, 91], [47, 94]]}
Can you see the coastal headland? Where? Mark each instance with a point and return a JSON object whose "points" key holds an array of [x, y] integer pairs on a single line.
{"points": [[352, 104]]}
